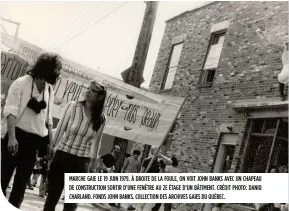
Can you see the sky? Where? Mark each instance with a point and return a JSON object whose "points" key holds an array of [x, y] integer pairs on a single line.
{"points": [[111, 30]]}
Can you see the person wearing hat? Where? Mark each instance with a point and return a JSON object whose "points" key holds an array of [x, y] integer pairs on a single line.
{"points": [[283, 76]]}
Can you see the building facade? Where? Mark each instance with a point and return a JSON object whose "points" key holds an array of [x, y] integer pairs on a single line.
{"points": [[233, 119]]}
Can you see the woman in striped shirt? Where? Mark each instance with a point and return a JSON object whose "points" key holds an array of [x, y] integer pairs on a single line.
{"points": [[76, 139]]}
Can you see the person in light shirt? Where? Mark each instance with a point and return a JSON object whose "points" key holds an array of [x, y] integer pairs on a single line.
{"points": [[27, 112], [172, 169], [132, 165]]}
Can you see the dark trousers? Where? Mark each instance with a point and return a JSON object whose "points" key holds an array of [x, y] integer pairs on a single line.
{"points": [[281, 88], [167, 207], [157, 207], [23, 161], [62, 163]]}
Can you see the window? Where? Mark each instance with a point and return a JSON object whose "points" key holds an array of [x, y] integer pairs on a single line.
{"points": [[212, 58], [267, 146], [228, 158], [218, 38], [208, 76], [226, 152], [173, 64]]}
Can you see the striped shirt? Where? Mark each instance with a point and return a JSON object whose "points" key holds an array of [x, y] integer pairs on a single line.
{"points": [[74, 133]]}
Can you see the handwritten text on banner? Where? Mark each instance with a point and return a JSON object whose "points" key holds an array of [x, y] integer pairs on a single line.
{"points": [[134, 114]]}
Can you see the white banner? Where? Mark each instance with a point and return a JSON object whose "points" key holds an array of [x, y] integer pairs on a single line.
{"points": [[12, 67], [133, 113], [176, 188], [138, 117]]}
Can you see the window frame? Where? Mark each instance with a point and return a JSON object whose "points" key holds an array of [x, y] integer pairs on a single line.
{"points": [[248, 142], [204, 72], [168, 65]]}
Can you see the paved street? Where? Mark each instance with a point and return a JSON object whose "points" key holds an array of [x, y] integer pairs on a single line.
{"points": [[32, 202]]}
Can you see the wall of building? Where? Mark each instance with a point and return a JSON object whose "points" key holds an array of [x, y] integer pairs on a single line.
{"points": [[248, 69]]}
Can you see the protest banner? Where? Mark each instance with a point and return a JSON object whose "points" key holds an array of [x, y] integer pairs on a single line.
{"points": [[139, 117], [134, 114], [12, 67]]}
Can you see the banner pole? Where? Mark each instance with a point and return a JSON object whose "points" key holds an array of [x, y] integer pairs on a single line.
{"points": [[164, 139]]}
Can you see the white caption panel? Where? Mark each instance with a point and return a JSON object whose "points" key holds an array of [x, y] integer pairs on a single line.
{"points": [[176, 188]]}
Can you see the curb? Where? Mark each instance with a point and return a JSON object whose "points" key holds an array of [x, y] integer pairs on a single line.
{"points": [[106, 208], [102, 207]]}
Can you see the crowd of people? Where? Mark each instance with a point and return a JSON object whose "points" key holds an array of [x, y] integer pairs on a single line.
{"points": [[31, 147]]}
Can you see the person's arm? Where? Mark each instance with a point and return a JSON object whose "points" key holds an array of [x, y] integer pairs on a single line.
{"points": [[167, 161], [144, 165], [97, 141], [62, 125], [124, 166], [95, 146], [139, 167], [102, 166], [50, 102], [49, 119], [11, 112]]}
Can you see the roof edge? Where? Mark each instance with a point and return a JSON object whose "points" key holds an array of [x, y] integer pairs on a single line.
{"points": [[183, 13]]}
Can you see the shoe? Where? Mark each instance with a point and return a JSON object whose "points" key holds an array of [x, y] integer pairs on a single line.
{"points": [[130, 208], [112, 204], [42, 196], [30, 188]]}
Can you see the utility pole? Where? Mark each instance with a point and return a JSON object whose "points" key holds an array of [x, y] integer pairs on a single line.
{"points": [[13, 22], [134, 74]]}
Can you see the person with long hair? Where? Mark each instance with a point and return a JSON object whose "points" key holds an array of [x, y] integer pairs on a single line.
{"points": [[27, 113], [77, 139]]}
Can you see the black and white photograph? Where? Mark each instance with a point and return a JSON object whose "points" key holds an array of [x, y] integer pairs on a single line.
{"points": [[140, 87]]}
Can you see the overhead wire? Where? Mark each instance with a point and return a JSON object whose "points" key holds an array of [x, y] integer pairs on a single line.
{"points": [[113, 11], [86, 13]]}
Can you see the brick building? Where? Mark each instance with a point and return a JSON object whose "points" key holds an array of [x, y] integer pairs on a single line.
{"points": [[233, 119]]}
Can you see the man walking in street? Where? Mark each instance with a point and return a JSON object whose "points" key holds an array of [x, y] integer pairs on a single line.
{"points": [[107, 164], [132, 165], [155, 168]]}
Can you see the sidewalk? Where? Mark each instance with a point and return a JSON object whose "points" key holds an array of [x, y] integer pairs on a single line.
{"points": [[33, 202], [106, 207]]}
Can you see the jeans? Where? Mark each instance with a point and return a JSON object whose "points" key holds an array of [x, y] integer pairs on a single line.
{"points": [[167, 207], [62, 163], [23, 162]]}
